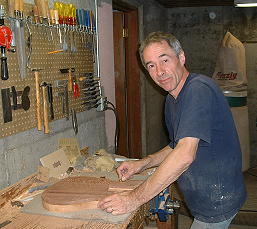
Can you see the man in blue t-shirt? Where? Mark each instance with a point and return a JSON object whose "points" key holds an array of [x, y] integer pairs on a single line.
{"points": [[204, 153]]}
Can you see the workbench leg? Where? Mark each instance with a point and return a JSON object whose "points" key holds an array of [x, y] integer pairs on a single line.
{"points": [[171, 223]]}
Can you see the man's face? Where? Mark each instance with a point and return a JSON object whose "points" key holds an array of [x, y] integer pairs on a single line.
{"points": [[164, 67]]}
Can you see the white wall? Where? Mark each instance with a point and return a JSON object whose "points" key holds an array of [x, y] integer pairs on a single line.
{"points": [[106, 57]]}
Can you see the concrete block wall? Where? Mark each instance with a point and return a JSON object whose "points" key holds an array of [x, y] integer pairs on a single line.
{"points": [[20, 153], [154, 19]]}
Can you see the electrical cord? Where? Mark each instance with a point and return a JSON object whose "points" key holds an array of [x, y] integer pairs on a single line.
{"points": [[117, 129], [108, 102]]}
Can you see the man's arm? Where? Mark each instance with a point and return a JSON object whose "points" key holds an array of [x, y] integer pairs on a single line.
{"points": [[157, 158], [174, 164], [128, 168]]}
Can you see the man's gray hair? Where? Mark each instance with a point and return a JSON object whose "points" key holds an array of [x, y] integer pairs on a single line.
{"points": [[159, 36]]}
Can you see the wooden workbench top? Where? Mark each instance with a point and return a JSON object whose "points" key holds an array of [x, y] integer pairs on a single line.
{"points": [[21, 220], [11, 216]]}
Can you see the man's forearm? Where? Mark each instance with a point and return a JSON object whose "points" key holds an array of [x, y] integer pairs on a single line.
{"points": [[169, 170], [157, 158]]}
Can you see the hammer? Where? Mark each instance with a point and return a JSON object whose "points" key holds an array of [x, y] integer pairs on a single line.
{"points": [[45, 107], [39, 118]]}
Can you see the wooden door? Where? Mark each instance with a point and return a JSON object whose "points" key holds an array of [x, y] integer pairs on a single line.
{"points": [[127, 82]]}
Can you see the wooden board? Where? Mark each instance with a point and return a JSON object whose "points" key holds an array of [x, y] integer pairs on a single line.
{"points": [[80, 193]]}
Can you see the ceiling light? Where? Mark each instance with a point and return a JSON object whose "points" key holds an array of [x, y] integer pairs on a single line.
{"points": [[245, 3]]}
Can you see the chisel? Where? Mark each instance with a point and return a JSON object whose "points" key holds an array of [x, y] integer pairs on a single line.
{"points": [[36, 14]]}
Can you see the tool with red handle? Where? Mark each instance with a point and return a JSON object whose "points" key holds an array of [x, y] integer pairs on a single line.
{"points": [[76, 91], [5, 43]]}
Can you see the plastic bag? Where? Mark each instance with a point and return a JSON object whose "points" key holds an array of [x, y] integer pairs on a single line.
{"points": [[230, 71]]}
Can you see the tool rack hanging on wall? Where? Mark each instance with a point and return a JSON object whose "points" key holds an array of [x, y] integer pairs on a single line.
{"points": [[52, 70]]}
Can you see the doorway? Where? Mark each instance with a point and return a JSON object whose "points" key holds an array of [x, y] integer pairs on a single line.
{"points": [[127, 79]]}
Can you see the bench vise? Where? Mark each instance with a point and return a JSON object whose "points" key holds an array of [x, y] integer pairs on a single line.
{"points": [[163, 205]]}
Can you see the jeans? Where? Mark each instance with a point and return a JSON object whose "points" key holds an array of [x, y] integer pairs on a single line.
{"points": [[202, 225]]}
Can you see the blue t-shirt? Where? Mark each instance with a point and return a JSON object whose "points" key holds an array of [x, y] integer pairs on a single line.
{"points": [[213, 185]]}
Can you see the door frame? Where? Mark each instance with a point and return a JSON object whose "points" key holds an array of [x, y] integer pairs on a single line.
{"points": [[132, 85]]}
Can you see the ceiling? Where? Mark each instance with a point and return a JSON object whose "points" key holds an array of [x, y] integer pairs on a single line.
{"points": [[196, 3]]}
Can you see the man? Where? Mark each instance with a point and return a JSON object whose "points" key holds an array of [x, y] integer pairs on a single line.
{"points": [[204, 153]]}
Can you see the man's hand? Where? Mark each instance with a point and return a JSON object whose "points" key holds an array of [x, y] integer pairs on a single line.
{"points": [[128, 168], [120, 203]]}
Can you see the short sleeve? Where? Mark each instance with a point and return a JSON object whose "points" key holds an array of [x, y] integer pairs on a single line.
{"points": [[196, 112]]}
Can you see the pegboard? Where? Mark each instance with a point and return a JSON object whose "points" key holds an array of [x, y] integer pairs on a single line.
{"points": [[82, 60]]}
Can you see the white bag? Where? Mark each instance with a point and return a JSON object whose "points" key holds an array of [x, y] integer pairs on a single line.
{"points": [[230, 71]]}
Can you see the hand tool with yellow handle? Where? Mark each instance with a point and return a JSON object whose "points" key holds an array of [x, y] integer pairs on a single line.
{"points": [[70, 78], [52, 17], [45, 108], [21, 8], [72, 23], [42, 12], [39, 11], [38, 99], [60, 8], [36, 14], [42, 9], [55, 21], [56, 16]]}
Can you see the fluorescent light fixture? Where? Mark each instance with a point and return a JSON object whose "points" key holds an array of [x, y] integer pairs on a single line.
{"points": [[245, 3]]}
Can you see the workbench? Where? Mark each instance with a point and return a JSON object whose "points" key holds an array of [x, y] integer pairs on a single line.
{"points": [[11, 216]]}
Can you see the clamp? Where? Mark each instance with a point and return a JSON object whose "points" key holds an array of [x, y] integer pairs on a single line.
{"points": [[163, 205]]}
